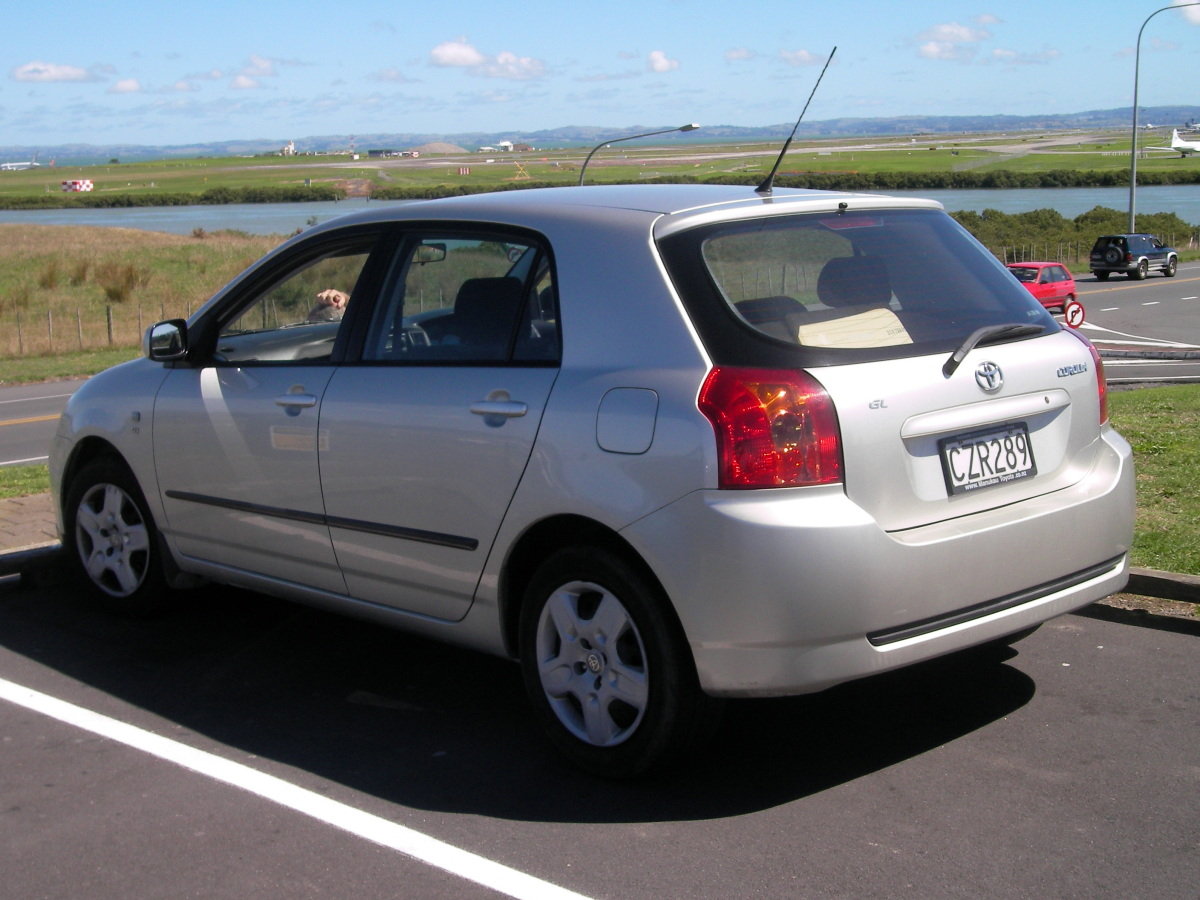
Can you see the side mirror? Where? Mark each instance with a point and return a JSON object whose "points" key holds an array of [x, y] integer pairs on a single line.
{"points": [[166, 341]]}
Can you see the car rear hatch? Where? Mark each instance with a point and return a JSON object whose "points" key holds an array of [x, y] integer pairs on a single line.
{"points": [[955, 391]]}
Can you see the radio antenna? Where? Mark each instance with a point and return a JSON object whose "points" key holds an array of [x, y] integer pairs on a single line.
{"points": [[769, 181]]}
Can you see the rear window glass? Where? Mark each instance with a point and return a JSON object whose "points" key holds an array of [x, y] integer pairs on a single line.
{"points": [[881, 283]]}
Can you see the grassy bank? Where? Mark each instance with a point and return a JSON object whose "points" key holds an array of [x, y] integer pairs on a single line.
{"points": [[83, 288], [1160, 423]]}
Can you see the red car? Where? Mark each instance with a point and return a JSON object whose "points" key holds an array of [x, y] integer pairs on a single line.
{"points": [[1050, 283]]}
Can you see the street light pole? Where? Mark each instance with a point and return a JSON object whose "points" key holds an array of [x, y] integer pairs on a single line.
{"points": [[1137, 55], [691, 127]]}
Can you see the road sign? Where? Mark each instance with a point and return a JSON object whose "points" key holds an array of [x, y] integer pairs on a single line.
{"points": [[1073, 313]]}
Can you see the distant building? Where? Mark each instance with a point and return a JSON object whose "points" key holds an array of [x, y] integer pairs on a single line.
{"points": [[289, 149]]}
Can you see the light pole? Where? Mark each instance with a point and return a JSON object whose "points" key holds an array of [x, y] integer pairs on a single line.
{"points": [[692, 127], [1137, 55]]}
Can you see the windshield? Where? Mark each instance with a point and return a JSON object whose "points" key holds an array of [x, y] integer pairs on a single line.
{"points": [[876, 284]]}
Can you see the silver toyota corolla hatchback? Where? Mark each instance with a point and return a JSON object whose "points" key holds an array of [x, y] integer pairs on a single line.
{"points": [[662, 444]]}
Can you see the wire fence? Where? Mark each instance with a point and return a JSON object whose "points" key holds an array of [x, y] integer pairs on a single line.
{"points": [[49, 332], [1076, 252]]}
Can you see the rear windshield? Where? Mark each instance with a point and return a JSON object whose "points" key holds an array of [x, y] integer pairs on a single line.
{"points": [[850, 286]]}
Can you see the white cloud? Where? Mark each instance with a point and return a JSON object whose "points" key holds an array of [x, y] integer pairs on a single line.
{"points": [[509, 65], [244, 83], [48, 72], [460, 54], [126, 86], [951, 41], [1191, 13], [658, 61], [739, 53], [457, 54], [799, 57], [954, 33], [392, 75], [259, 67]]}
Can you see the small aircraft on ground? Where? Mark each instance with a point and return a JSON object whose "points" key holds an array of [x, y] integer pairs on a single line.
{"points": [[19, 166], [1179, 145]]}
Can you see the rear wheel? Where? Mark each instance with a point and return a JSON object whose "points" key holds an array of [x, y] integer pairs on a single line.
{"points": [[607, 667], [1101, 276], [1140, 272], [1172, 265], [112, 539]]}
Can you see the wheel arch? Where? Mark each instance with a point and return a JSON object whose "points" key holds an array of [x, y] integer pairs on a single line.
{"points": [[547, 537], [86, 451]]}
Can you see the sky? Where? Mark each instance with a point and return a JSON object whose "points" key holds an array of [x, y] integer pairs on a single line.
{"points": [[182, 73]]}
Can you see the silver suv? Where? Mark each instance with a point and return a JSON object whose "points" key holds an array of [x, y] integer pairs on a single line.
{"points": [[661, 444]]}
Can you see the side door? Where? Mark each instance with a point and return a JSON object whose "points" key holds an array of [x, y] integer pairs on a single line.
{"points": [[427, 436], [237, 430]]}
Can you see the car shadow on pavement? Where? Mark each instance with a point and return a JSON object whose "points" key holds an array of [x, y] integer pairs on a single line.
{"points": [[431, 727]]}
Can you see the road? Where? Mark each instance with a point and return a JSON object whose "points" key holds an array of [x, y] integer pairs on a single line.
{"points": [[1068, 768], [1156, 316], [28, 418]]}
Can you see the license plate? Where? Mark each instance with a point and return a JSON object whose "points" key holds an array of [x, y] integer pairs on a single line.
{"points": [[985, 459]]}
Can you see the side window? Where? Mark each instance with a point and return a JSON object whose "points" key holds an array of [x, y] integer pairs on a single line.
{"points": [[462, 298], [297, 318]]}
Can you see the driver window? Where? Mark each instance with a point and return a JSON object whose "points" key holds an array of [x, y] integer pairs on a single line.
{"points": [[466, 299], [298, 317]]}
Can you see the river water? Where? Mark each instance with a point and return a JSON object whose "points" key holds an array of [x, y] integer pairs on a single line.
{"points": [[286, 218]]}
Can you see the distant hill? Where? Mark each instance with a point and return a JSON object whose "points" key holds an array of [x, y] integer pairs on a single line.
{"points": [[568, 136]]}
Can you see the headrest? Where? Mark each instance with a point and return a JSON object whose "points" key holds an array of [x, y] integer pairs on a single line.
{"points": [[854, 281]]}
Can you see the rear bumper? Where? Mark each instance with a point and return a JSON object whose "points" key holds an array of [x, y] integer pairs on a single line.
{"points": [[792, 591]]}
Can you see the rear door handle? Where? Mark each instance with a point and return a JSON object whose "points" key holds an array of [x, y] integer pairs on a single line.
{"points": [[499, 405]]}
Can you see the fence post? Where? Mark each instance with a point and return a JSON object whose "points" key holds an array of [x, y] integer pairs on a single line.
{"points": [[79, 326], [20, 336], [108, 319], [50, 329]]}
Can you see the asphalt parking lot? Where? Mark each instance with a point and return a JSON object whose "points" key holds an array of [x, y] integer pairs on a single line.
{"points": [[1065, 767]]}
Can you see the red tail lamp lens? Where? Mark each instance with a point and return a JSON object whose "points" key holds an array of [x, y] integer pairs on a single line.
{"points": [[1101, 380], [774, 428]]}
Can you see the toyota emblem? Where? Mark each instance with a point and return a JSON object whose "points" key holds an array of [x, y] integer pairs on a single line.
{"points": [[989, 377]]}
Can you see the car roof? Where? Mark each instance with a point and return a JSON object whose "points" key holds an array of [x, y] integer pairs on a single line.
{"points": [[689, 202], [1036, 265]]}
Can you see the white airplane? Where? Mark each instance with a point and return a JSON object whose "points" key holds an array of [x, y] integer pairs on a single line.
{"points": [[1179, 145], [19, 166]]}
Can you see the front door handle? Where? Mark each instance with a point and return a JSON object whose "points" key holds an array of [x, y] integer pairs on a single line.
{"points": [[508, 409]]}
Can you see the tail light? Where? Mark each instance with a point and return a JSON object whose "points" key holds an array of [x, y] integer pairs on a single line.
{"points": [[1101, 380], [774, 428]]}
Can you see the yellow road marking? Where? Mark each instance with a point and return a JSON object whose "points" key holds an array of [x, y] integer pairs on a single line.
{"points": [[29, 420]]}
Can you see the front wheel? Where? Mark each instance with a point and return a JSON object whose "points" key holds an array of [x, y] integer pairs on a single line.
{"points": [[607, 667], [111, 538]]}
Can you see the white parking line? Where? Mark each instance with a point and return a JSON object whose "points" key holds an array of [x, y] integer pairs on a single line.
{"points": [[412, 843]]}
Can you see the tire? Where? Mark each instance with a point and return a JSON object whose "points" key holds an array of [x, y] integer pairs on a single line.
{"points": [[1101, 276], [1172, 266], [112, 540], [1139, 273], [606, 665]]}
